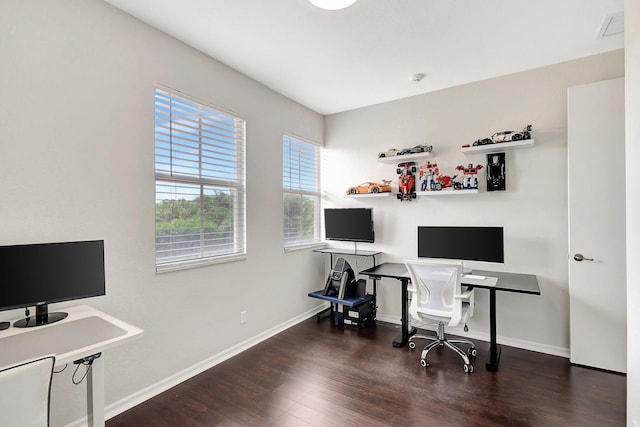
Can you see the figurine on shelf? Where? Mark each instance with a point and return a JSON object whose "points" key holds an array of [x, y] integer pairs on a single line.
{"points": [[406, 181], [428, 171], [470, 172], [445, 181], [496, 172]]}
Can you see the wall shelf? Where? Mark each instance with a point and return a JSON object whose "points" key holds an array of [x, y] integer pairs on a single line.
{"points": [[357, 196], [446, 192], [404, 158], [498, 147]]}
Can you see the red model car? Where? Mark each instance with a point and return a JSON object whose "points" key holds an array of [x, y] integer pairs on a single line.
{"points": [[406, 180]]}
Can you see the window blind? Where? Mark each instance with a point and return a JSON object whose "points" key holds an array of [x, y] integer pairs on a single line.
{"points": [[200, 181], [301, 162]]}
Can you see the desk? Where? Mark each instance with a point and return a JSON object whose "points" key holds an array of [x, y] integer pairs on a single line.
{"points": [[508, 282], [334, 251], [84, 332]]}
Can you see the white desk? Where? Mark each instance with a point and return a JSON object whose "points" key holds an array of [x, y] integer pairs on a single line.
{"points": [[84, 332]]}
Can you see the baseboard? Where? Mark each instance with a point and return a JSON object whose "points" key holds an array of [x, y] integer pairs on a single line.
{"points": [[511, 342], [147, 393]]}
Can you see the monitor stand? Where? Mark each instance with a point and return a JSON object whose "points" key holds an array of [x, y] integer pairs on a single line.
{"points": [[42, 317], [4, 325]]}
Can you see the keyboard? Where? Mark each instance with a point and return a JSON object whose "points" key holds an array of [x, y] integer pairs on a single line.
{"points": [[472, 279]]}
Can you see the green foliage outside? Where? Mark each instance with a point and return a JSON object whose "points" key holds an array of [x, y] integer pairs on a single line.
{"points": [[182, 216], [299, 218]]}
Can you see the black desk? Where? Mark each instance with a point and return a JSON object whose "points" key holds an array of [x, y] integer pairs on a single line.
{"points": [[351, 252], [509, 282]]}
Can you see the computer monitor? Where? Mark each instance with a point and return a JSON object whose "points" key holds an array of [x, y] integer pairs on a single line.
{"points": [[349, 224], [41, 274], [461, 243]]}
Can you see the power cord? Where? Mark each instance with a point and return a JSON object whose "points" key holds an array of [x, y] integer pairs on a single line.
{"points": [[86, 361]]}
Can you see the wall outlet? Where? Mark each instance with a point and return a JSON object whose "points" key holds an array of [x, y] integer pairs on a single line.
{"points": [[243, 317]]}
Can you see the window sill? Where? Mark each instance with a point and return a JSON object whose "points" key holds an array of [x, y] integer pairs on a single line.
{"points": [[185, 265], [304, 247]]}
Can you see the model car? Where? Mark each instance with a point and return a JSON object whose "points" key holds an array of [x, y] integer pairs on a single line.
{"points": [[510, 135], [389, 153], [406, 180], [505, 136], [370, 187], [417, 149]]}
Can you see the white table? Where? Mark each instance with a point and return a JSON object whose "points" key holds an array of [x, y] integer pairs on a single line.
{"points": [[84, 332]]}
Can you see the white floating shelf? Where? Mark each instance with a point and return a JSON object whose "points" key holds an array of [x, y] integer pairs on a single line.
{"points": [[446, 192], [404, 158], [498, 147], [357, 196]]}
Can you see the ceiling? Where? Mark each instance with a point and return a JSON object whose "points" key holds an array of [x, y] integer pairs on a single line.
{"points": [[333, 61]]}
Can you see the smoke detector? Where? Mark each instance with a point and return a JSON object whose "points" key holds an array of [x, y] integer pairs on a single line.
{"points": [[416, 78]]}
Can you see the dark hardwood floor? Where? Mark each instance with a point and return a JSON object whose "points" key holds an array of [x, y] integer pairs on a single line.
{"points": [[315, 374]]}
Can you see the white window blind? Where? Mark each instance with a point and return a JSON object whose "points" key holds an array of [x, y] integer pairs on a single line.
{"points": [[301, 162], [200, 182]]}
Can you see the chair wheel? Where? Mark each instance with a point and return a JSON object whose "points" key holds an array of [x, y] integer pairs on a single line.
{"points": [[423, 363], [473, 352], [412, 344], [468, 368]]}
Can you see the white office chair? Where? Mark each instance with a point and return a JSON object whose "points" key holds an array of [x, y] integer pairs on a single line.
{"points": [[436, 296], [25, 391]]}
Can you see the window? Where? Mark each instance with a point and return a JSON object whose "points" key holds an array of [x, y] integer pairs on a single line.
{"points": [[301, 191], [200, 182]]}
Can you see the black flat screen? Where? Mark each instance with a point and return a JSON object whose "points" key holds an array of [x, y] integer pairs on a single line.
{"points": [[50, 272], [461, 243], [351, 224]]}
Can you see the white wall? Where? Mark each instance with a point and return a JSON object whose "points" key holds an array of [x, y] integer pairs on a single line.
{"points": [[76, 162], [533, 210], [632, 99]]}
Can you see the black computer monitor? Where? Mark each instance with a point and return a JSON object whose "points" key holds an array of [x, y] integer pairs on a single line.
{"points": [[349, 224], [461, 243], [41, 274]]}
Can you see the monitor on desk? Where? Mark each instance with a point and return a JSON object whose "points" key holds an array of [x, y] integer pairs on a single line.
{"points": [[40, 274], [461, 243], [349, 225]]}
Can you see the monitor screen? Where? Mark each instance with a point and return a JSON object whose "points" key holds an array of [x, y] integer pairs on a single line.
{"points": [[40, 274], [351, 225], [461, 243]]}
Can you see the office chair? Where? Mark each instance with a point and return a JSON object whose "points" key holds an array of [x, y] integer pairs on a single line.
{"points": [[436, 296], [25, 392]]}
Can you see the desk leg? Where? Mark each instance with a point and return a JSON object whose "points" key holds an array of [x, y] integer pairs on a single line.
{"points": [[95, 393], [402, 339], [495, 350]]}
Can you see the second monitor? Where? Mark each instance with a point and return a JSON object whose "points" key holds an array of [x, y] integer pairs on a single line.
{"points": [[466, 243]]}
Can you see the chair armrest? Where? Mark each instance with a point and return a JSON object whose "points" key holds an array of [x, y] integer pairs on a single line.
{"points": [[465, 295]]}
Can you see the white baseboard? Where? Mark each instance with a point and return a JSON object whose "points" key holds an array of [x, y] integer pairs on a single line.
{"points": [[147, 393], [512, 342]]}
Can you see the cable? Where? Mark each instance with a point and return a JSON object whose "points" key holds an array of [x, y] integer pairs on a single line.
{"points": [[73, 378], [86, 361], [65, 367]]}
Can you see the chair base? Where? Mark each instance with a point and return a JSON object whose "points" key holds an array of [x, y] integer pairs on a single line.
{"points": [[441, 340]]}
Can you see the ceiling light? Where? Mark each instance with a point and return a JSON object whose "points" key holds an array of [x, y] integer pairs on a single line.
{"points": [[332, 4]]}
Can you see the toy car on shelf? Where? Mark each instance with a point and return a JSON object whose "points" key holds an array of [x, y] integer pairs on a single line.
{"points": [[389, 153], [370, 187], [505, 136], [417, 149], [406, 180]]}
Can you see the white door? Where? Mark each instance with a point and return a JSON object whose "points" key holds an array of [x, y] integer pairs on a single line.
{"points": [[597, 283]]}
